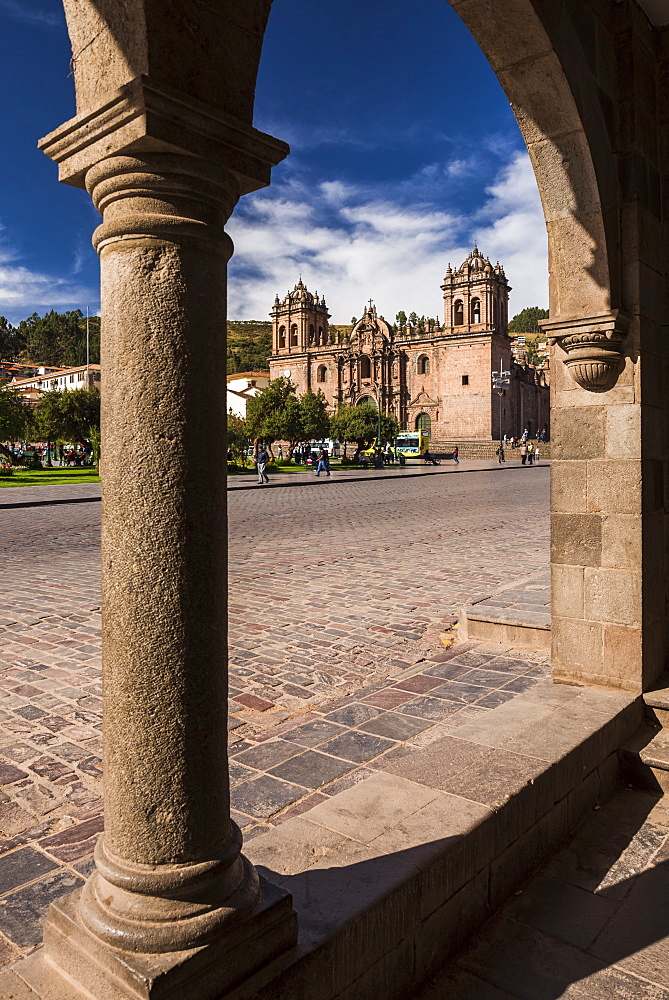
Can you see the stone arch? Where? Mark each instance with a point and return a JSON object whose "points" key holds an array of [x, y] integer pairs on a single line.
{"points": [[568, 142]]}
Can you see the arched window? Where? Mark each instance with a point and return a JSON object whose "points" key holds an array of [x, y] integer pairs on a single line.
{"points": [[366, 399], [311, 334], [476, 310], [424, 423], [293, 335], [322, 374], [423, 366], [458, 313], [282, 336], [365, 367]]}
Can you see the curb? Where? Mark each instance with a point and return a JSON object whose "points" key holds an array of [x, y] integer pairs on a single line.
{"points": [[275, 486]]}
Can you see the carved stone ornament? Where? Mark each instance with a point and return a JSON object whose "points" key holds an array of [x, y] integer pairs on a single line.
{"points": [[594, 347]]}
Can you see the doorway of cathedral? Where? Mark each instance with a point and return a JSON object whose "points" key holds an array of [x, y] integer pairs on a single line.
{"points": [[424, 423], [366, 399]]}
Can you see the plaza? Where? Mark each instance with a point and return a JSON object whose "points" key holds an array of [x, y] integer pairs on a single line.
{"points": [[372, 890]]}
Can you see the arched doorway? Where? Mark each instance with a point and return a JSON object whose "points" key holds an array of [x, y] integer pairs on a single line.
{"points": [[424, 423]]}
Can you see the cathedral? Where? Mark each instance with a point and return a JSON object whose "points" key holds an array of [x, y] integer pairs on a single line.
{"points": [[437, 378]]}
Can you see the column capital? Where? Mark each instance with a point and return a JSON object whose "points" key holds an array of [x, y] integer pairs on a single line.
{"points": [[143, 117], [594, 346]]}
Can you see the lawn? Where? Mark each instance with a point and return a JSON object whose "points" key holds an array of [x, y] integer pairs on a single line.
{"points": [[49, 477]]}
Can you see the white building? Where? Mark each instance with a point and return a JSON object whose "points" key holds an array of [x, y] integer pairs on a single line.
{"points": [[242, 386], [46, 379]]}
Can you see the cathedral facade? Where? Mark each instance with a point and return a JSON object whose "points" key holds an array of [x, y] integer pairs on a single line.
{"points": [[436, 377]]}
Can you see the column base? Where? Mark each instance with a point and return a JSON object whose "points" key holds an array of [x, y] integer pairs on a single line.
{"points": [[206, 972]]}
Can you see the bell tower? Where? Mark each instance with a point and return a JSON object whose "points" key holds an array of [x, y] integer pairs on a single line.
{"points": [[299, 322], [476, 297]]}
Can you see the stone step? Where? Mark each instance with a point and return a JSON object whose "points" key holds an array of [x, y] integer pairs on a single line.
{"points": [[473, 449], [645, 758], [657, 702]]}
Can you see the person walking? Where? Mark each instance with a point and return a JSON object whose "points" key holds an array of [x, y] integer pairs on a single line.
{"points": [[523, 453], [280, 453], [455, 455], [530, 453], [501, 457], [262, 462], [536, 454], [323, 463]]}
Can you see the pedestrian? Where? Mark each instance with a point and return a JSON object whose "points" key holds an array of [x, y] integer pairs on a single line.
{"points": [[530, 453], [323, 463], [536, 454], [455, 455], [262, 462], [280, 453], [523, 453]]}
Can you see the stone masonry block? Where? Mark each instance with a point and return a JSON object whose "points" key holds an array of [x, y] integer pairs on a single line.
{"points": [[578, 432], [576, 539], [567, 590], [623, 431], [568, 487], [577, 647], [613, 595], [614, 487], [622, 655], [621, 541]]}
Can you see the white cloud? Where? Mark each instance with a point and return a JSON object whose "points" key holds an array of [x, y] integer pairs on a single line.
{"points": [[23, 291], [352, 242], [20, 11]]}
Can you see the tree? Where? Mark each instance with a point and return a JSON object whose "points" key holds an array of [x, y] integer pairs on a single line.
{"points": [[10, 340], [527, 320], [58, 339], [413, 318], [69, 416], [360, 424], [401, 319], [315, 417], [274, 413], [238, 436], [13, 419]]}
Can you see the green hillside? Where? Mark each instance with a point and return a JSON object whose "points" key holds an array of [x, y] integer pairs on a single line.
{"points": [[249, 345]]}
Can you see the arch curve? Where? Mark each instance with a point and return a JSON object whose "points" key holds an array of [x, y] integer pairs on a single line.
{"points": [[575, 170]]}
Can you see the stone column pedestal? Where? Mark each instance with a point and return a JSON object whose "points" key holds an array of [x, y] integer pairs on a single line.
{"points": [[173, 908]]}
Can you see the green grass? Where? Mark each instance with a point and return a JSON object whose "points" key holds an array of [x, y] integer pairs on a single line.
{"points": [[49, 477]]}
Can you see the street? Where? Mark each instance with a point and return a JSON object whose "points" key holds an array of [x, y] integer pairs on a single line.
{"points": [[341, 598]]}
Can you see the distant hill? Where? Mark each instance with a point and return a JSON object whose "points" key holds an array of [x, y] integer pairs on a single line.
{"points": [[250, 344]]}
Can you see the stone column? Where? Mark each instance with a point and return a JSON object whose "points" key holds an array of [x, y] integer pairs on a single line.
{"points": [[172, 900]]}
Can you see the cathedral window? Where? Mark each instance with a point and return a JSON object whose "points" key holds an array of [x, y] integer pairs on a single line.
{"points": [[465, 379], [476, 310], [293, 335], [423, 366], [458, 313], [311, 334], [365, 367], [322, 374], [282, 336]]}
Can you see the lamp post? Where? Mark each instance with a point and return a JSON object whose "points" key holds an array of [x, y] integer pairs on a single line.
{"points": [[500, 381]]}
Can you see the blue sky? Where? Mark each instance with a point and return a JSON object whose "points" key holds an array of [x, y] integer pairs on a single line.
{"points": [[404, 149]]}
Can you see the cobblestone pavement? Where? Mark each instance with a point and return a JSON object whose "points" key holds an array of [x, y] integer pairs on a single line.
{"points": [[590, 925], [341, 606]]}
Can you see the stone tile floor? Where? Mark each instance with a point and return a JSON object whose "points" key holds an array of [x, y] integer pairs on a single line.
{"points": [[591, 924], [525, 602], [337, 659]]}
